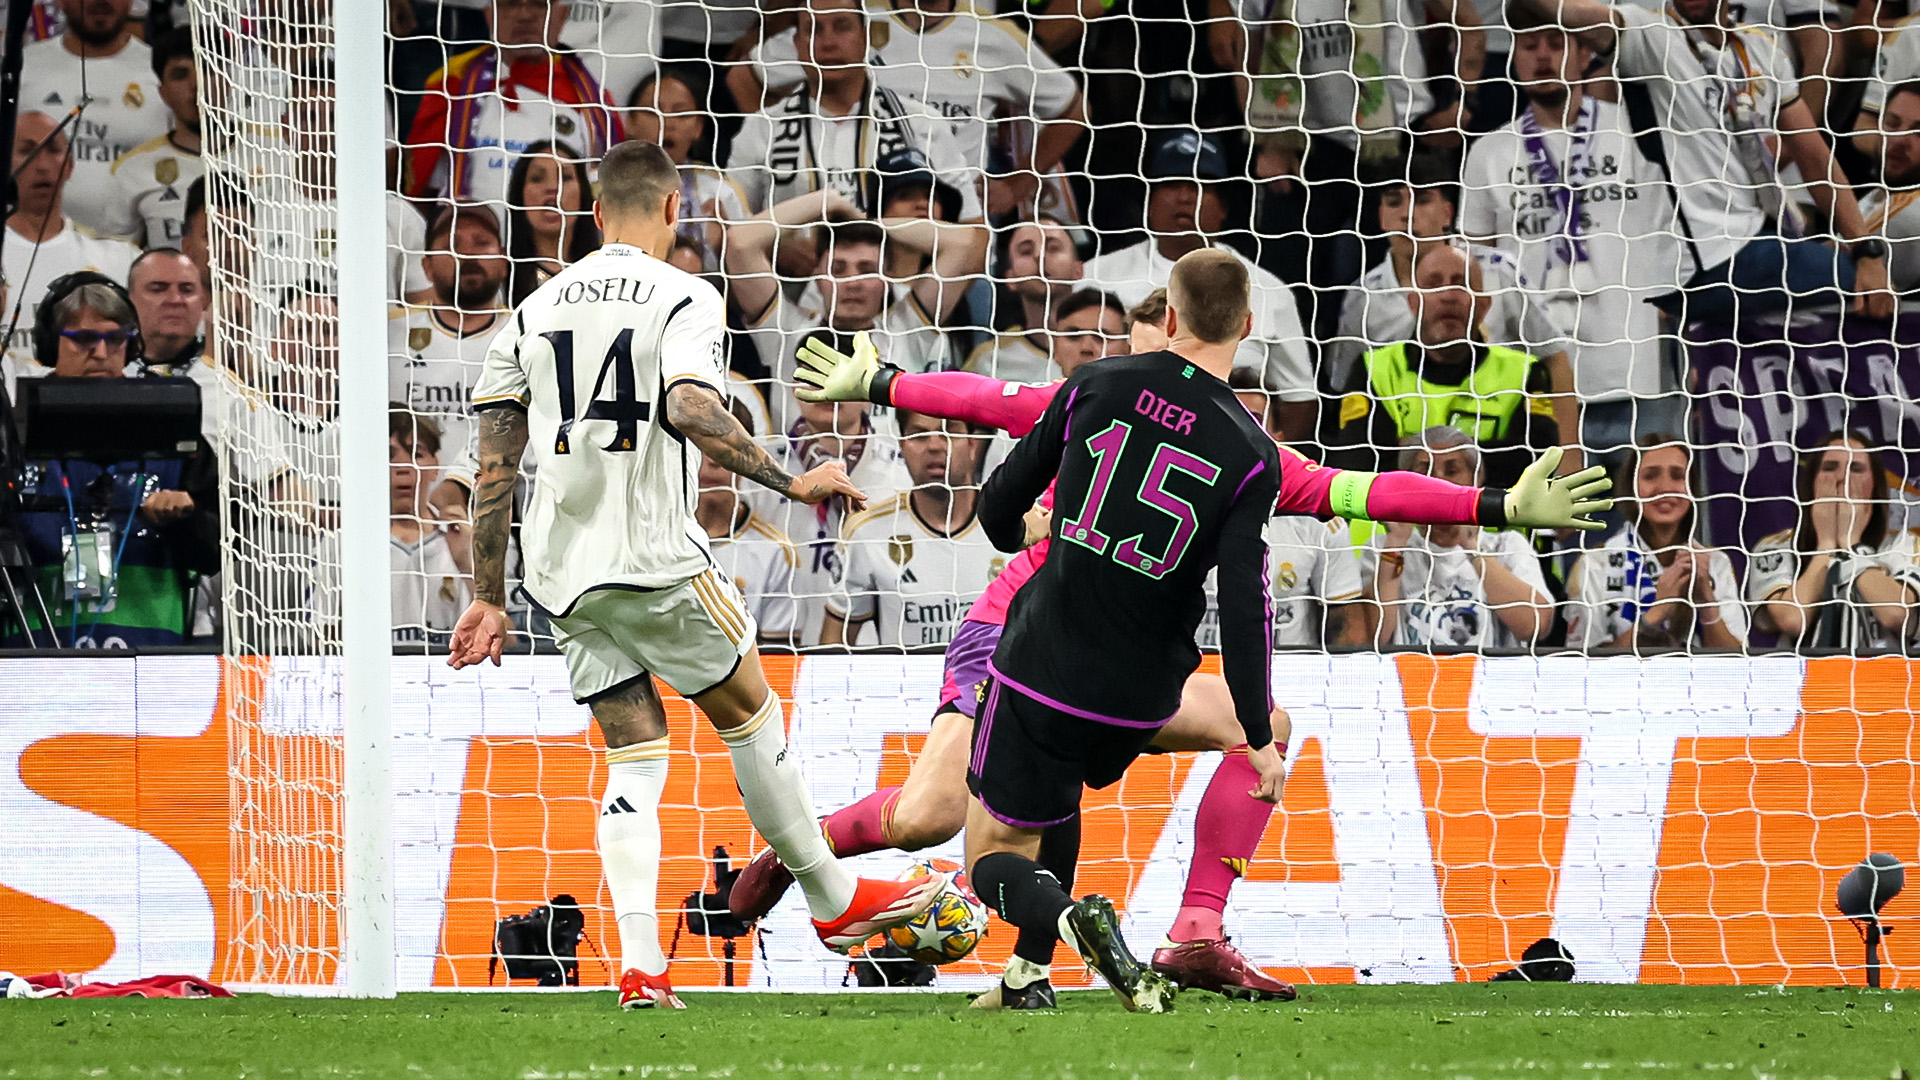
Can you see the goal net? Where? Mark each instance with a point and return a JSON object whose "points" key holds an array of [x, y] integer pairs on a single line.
{"points": [[1666, 763]]}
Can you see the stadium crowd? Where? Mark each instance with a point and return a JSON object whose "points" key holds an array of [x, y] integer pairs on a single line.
{"points": [[1475, 230]]}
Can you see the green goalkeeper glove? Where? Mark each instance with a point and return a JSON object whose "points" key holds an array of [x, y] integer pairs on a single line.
{"points": [[832, 375], [1541, 500]]}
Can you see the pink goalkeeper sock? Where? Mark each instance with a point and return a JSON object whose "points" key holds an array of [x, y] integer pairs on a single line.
{"points": [[1226, 831], [862, 827]]}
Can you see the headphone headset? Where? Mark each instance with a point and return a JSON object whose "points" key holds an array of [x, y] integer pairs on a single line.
{"points": [[46, 336]]}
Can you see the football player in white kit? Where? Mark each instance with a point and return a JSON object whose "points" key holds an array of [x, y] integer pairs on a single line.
{"points": [[615, 368]]}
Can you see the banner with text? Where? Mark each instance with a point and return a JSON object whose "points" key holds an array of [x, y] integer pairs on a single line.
{"points": [[1761, 405], [1670, 820]]}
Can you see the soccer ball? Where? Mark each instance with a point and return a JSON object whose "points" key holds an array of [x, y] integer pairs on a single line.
{"points": [[951, 927]]}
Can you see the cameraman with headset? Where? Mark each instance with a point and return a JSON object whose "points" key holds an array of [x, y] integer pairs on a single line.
{"points": [[116, 546]]}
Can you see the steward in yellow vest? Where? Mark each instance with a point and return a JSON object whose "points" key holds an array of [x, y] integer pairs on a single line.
{"points": [[1494, 394]]}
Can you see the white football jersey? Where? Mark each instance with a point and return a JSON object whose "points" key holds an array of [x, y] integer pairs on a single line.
{"points": [[762, 561], [433, 367], [149, 201], [1310, 563], [873, 464], [1015, 356], [970, 67], [1775, 566], [122, 110], [428, 592], [1443, 601], [591, 355], [1614, 585], [913, 583]]}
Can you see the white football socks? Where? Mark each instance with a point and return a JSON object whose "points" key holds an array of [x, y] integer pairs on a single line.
{"points": [[1022, 972], [629, 835], [781, 809]]}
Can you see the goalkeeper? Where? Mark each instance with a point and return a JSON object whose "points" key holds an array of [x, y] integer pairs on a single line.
{"points": [[1234, 812]]}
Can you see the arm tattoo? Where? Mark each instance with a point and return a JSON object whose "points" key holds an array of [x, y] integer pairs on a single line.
{"points": [[503, 438], [701, 416]]}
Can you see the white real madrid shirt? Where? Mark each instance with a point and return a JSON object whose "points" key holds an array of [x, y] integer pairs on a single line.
{"points": [[432, 367], [149, 201], [1775, 565], [1443, 601], [1312, 563], [591, 355], [123, 110], [1622, 250], [1018, 356], [1695, 88], [913, 583], [972, 69], [1614, 585], [428, 591]]}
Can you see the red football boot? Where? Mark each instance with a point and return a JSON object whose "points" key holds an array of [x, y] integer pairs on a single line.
{"points": [[639, 990], [1217, 966], [760, 886], [878, 906]]}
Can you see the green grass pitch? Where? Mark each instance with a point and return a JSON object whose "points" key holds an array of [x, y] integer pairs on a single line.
{"points": [[1349, 1031]]}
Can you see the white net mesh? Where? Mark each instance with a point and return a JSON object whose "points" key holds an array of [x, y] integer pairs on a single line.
{"points": [[1450, 220]]}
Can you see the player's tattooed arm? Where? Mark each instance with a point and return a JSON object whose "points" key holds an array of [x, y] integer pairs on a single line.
{"points": [[503, 439], [701, 416]]}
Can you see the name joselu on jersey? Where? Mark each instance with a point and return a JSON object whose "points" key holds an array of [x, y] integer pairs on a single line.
{"points": [[598, 290]]}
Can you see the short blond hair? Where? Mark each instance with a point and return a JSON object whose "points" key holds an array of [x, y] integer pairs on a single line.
{"points": [[1209, 292]]}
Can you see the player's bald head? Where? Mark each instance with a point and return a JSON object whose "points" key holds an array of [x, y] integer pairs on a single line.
{"points": [[1208, 296], [635, 180]]}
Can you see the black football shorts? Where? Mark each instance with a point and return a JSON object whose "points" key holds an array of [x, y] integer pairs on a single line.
{"points": [[1031, 759]]}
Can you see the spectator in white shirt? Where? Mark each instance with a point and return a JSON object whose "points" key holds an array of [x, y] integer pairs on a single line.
{"points": [[911, 565], [102, 68], [1566, 192], [40, 243], [429, 589], [1653, 584], [1185, 213], [853, 294], [752, 551], [1729, 115], [147, 205], [549, 217], [977, 70], [1845, 577], [1458, 586], [1042, 269], [1892, 207], [829, 132]]}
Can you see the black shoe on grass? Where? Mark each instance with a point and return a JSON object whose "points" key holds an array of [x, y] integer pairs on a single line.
{"points": [[1096, 937]]}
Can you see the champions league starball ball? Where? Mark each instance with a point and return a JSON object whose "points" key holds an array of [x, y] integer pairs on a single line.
{"points": [[950, 928]]}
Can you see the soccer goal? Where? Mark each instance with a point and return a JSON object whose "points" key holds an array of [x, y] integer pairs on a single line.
{"points": [[1460, 787]]}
